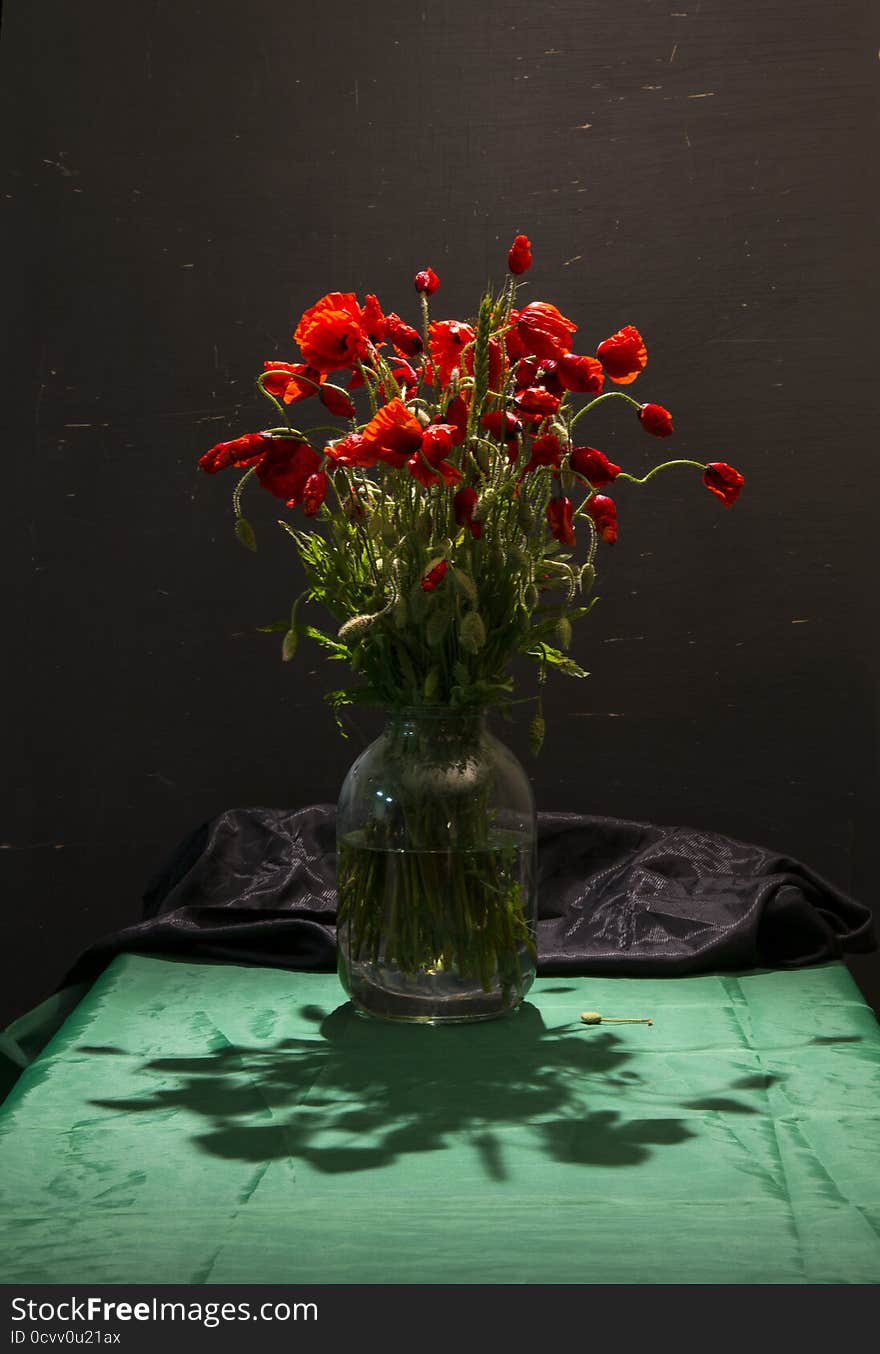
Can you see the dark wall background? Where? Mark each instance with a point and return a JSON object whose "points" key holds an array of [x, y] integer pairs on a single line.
{"points": [[181, 180]]}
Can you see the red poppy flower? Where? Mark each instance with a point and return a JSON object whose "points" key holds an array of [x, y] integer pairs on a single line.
{"points": [[604, 514], [447, 340], [405, 339], [437, 443], [723, 481], [314, 493], [537, 403], [336, 401], [544, 331], [594, 466], [457, 416], [394, 433], [282, 381], [560, 520], [623, 355], [582, 374], [372, 320], [286, 466], [403, 373], [427, 281], [513, 344], [434, 577], [330, 332], [241, 451], [655, 419], [506, 427], [352, 450], [463, 505], [501, 424], [519, 258], [545, 450]]}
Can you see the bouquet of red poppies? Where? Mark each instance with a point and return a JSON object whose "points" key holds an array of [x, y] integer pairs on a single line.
{"points": [[448, 519]]}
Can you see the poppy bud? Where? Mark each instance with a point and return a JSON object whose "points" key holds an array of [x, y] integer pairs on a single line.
{"points": [[723, 481], [472, 632], [336, 401], [604, 514], [537, 731], [457, 416], [405, 339], [519, 257], [463, 505], [655, 419], [594, 465], [560, 520], [314, 493], [435, 576], [426, 281]]}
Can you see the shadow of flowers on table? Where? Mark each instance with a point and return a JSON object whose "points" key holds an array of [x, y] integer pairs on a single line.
{"points": [[358, 1095]]}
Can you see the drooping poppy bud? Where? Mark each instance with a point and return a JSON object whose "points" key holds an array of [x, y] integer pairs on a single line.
{"points": [[426, 281], [314, 493], [560, 520], [604, 514], [623, 355], [723, 481], [434, 577], [519, 257], [336, 401], [594, 465], [655, 419], [457, 416], [545, 450], [463, 505], [405, 339], [580, 373]]}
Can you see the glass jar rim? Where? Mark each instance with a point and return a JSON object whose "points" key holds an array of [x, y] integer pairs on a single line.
{"points": [[409, 713]]}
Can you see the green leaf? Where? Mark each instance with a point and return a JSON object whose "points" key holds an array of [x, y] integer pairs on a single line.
{"points": [[245, 533], [333, 647], [274, 628], [545, 653]]}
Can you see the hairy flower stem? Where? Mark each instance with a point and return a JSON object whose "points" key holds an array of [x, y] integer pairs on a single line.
{"points": [[602, 399], [667, 465]]}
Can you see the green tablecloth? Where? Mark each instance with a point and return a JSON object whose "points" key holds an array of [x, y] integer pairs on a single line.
{"points": [[195, 1123]]}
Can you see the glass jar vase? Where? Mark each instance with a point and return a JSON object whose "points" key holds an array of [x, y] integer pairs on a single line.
{"points": [[436, 879]]}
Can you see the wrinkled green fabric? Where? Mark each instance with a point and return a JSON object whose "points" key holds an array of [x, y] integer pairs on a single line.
{"points": [[196, 1123]]}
